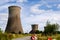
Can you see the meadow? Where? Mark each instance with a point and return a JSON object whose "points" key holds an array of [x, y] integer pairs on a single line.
{"points": [[5, 36]]}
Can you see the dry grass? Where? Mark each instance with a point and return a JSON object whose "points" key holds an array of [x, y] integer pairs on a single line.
{"points": [[57, 37], [11, 36]]}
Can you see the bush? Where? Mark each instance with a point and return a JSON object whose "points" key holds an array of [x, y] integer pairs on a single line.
{"points": [[5, 36], [37, 32]]}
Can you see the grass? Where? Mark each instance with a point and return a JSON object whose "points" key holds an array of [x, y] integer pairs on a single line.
{"points": [[5, 36], [20, 35], [9, 36], [57, 37]]}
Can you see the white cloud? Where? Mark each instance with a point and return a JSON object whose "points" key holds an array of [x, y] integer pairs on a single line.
{"points": [[49, 6], [3, 16], [12, 0], [35, 9], [42, 18], [21, 1], [3, 1], [3, 20], [4, 8], [58, 6], [35, 19], [53, 1], [44, 2]]}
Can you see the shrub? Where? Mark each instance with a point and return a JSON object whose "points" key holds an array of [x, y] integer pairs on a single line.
{"points": [[37, 32], [5, 36]]}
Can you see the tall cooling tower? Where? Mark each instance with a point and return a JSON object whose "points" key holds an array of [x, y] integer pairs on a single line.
{"points": [[14, 21]]}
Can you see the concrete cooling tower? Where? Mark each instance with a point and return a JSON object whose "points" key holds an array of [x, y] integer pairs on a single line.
{"points": [[34, 28], [14, 21]]}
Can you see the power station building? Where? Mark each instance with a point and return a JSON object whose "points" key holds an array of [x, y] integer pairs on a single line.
{"points": [[34, 28], [14, 21]]}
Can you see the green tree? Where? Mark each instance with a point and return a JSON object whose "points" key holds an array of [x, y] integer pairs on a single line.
{"points": [[51, 28], [37, 32]]}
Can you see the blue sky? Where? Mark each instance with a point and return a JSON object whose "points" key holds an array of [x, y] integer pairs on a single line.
{"points": [[32, 12]]}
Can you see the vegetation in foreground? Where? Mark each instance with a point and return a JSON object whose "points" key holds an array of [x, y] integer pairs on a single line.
{"points": [[50, 30], [57, 37], [9, 36], [39, 36], [6, 36]]}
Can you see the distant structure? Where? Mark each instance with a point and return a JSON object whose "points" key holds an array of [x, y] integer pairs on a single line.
{"points": [[34, 28], [14, 21]]}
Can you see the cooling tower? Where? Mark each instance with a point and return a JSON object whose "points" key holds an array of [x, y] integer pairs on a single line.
{"points": [[14, 21], [34, 28]]}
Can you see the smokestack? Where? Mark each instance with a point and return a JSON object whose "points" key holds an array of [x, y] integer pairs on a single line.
{"points": [[14, 21], [34, 28]]}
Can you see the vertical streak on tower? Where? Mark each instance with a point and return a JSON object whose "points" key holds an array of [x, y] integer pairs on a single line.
{"points": [[14, 21]]}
